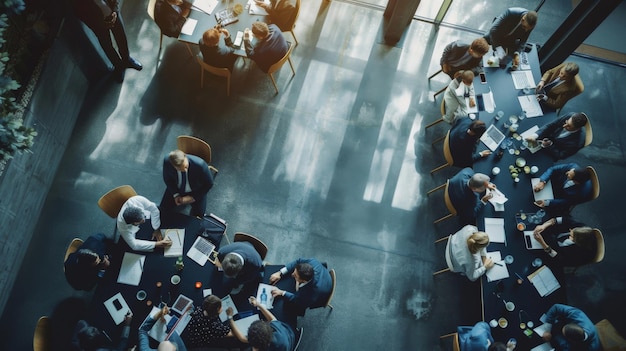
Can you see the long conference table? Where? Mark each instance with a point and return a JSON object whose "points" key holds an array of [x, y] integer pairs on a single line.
{"points": [[206, 21], [158, 268], [528, 304]]}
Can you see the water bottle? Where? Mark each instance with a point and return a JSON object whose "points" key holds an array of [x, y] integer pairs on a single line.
{"points": [[263, 298]]}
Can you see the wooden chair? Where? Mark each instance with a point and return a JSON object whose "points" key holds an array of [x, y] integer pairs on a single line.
{"points": [[151, 5], [275, 67], [443, 112], [610, 339], [447, 154], [220, 72], [197, 147], [333, 277], [41, 337], [299, 331], [595, 183], [259, 246], [588, 132], [456, 346], [290, 26], [73, 247], [111, 203], [442, 89], [447, 255], [599, 246], [446, 197]]}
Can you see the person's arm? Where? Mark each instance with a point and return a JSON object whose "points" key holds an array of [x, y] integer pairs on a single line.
{"points": [[266, 313], [125, 332], [233, 327], [498, 29], [447, 56], [202, 170], [155, 215], [247, 42], [170, 177], [143, 342]]}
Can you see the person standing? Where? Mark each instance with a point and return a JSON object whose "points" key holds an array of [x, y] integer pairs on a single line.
{"points": [[511, 29], [188, 180], [104, 18]]}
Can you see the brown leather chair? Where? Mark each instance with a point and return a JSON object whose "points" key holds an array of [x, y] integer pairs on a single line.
{"points": [[111, 202], [259, 246]]}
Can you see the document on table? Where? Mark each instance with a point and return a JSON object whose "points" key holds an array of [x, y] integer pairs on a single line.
{"points": [[177, 236], [117, 307], [494, 227], [244, 323], [499, 269], [497, 200], [189, 26], [543, 347], [132, 269], [206, 6], [256, 9], [531, 134], [530, 105], [227, 301], [268, 291], [544, 281], [159, 329], [471, 109], [544, 194], [545, 327], [523, 79], [488, 101]]}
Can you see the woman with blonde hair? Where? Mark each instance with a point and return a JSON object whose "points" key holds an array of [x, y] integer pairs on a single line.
{"points": [[466, 252]]}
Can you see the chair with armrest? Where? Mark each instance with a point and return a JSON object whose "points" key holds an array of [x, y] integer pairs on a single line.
{"points": [[73, 247], [442, 89], [447, 154], [610, 339], [220, 72], [111, 202], [446, 197], [259, 246], [456, 346], [447, 255], [197, 147], [41, 337], [275, 67]]}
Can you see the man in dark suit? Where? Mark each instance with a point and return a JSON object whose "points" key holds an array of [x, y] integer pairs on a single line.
{"points": [[170, 16], [511, 29], [568, 242], [571, 329], [103, 18], [282, 12], [464, 189], [242, 265], [562, 137], [313, 284], [187, 180], [571, 185], [213, 52], [559, 84], [459, 56], [464, 136], [85, 266], [270, 47]]}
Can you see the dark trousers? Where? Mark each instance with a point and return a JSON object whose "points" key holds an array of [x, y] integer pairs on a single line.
{"points": [[198, 207], [104, 37]]}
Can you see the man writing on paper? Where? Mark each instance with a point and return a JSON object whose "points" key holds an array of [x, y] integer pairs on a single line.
{"points": [[464, 189], [571, 185], [562, 137], [571, 329], [454, 99], [134, 212]]}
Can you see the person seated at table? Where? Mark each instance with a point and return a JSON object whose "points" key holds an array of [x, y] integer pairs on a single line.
{"points": [[570, 243], [562, 137], [205, 325], [313, 284], [464, 189], [467, 250], [174, 343], [478, 338], [89, 338], [270, 46], [281, 12], [511, 29], [170, 16], [134, 212], [85, 266], [269, 335], [458, 90], [242, 265], [459, 56], [464, 137], [571, 185], [559, 84], [571, 329], [213, 52], [187, 180]]}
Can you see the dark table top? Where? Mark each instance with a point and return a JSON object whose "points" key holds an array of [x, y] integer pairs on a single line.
{"points": [[528, 303]]}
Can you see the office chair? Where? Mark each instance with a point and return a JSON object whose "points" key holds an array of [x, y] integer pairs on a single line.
{"points": [[197, 147], [111, 202], [292, 24], [442, 89], [588, 132], [446, 197], [259, 246], [333, 277], [610, 339], [595, 183], [71, 248], [447, 154], [218, 71], [275, 67], [456, 346], [443, 112], [41, 337]]}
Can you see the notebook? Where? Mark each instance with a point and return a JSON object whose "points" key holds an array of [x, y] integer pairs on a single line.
{"points": [[177, 236], [531, 242], [492, 137], [544, 281], [201, 251]]}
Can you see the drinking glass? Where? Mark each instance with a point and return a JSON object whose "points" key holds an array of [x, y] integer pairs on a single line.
{"points": [[513, 119]]}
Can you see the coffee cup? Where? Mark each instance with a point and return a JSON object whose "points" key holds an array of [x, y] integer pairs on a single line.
{"points": [[175, 279], [493, 323], [503, 323], [534, 169], [495, 170], [510, 306], [141, 295]]}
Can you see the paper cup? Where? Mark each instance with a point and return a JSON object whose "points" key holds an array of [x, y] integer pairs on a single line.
{"points": [[141, 295], [175, 279]]}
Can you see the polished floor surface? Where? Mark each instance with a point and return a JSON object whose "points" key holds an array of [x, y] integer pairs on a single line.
{"points": [[336, 167]]}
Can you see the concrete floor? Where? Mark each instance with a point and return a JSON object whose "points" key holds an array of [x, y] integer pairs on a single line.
{"points": [[336, 167]]}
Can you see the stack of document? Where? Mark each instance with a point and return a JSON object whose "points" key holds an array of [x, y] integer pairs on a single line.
{"points": [[132, 269], [530, 105], [544, 281], [497, 200], [206, 6]]}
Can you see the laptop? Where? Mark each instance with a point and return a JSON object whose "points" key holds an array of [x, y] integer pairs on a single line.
{"points": [[201, 251], [531, 242], [492, 137]]}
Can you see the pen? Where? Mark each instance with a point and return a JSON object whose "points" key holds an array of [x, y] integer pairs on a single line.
{"points": [[178, 235], [498, 264], [518, 276], [141, 264]]}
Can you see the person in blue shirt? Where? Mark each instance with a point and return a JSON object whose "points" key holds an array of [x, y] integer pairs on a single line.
{"points": [[174, 343], [571, 329]]}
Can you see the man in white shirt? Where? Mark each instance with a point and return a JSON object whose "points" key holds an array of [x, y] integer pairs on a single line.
{"points": [[458, 90], [134, 212]]}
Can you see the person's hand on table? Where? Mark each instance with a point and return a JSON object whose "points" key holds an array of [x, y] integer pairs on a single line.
{"points": [[156, 235], [472, 102], [488, 263], [485, 153], [539, 237], [539, 229], [546, 143], [225, 32], [164, 243], [539, 86], [487, 197], [547, 336], [540, 203], [128, 318], [277, 292], [491, 186], [275, 277], [539, 186], [161, 314]]}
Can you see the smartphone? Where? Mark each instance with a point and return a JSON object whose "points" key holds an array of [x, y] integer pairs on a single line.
{"points": [[117, 304], [238, 39], [483, 78]]}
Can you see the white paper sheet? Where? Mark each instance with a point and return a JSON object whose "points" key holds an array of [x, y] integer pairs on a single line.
{"points": [[544, 194], [159, 329], [132, 269], [207, 292], [189, 26], [117, 314], [489, 103], [244, 323], [206, 6], [268, 292], [532, 132], [494, 227], [544, 281], [499, 270], [530, 104], [543, 347], [529, 237], [227, 301], [177, 236], [545, 327], [523, 79], [256, 9]]}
